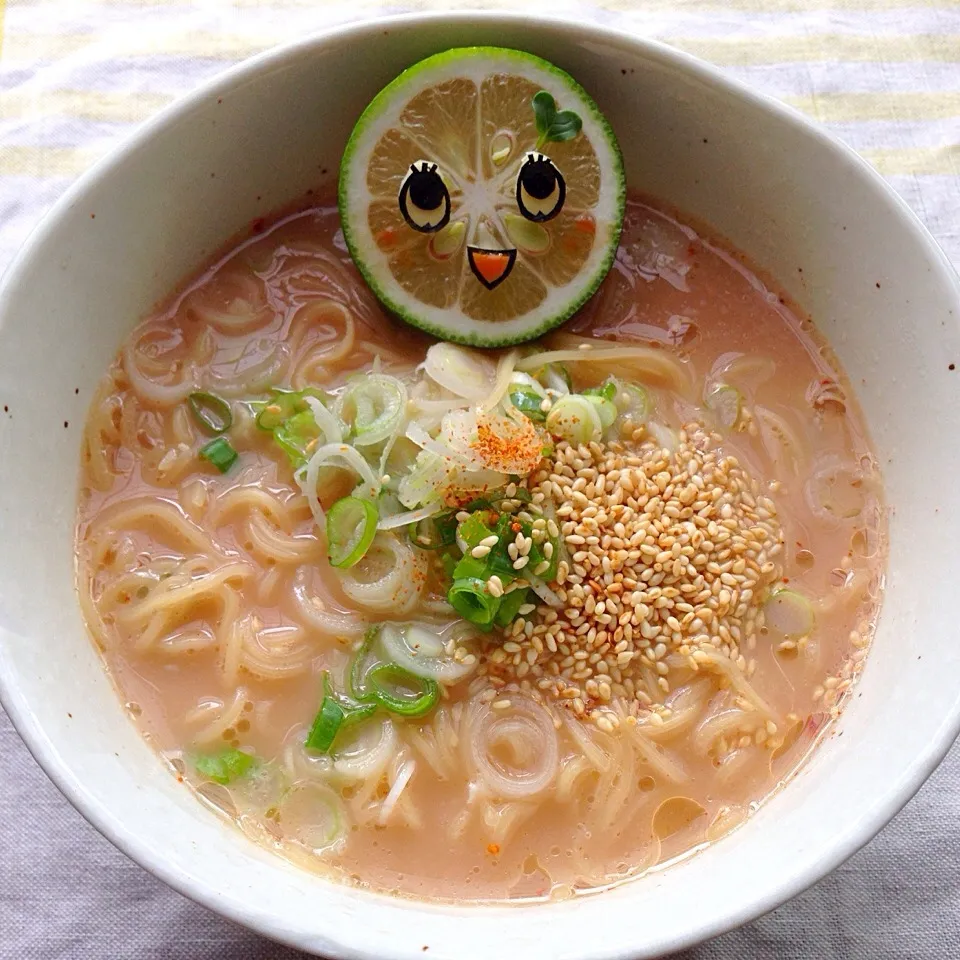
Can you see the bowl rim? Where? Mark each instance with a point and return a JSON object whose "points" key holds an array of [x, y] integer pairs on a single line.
{"points": [[835, 850]]}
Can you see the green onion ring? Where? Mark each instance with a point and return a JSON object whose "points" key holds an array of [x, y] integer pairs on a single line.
{"points": [[471, 599], [211, 412], [337, 712], [351, 527], [220, 453], [384, 673]]}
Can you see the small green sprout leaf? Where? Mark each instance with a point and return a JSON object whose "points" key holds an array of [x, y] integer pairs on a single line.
{"points": [[552, 124]]}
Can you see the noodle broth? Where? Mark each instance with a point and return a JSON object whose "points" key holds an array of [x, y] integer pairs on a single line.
{"points": [[555, 760]]}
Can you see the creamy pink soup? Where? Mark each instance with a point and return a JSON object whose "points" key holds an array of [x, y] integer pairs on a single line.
{"points": [[212, 601]]}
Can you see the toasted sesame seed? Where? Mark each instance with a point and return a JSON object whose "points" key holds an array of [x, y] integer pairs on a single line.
{"points": [[671, 558], [479, 551]]}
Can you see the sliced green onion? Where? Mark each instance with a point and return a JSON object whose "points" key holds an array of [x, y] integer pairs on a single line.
{"points": [[374, 406], [606, 411], [225, 766], [538, 557], [312, 814], [575, 419], [220, 453], [336, 713], [422, 650], [295, 436], [283, 404], [470, 568], [556, 377], [472, 530], [362, 663], [608, 391], [510, 606], [449, 563], [551, 572], [388, 681], [326, 726], [498, 560], [470, 598], [422, 484], [789, 613], [528, 402], [434, 533], [603, 398], [633, 401], [523, 495], [465, 373], [725, 401], [211, 412], [351, 527]]}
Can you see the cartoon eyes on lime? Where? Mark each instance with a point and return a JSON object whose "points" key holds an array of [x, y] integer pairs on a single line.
{"points": [[482, 195], [424, 203], [541, 189], [424, 198]]}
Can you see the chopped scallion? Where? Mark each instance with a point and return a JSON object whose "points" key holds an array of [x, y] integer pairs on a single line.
{"points": [[606, 409], [351, 527], [361, 666], [528, 402], [510, 606], [401, 692], [499, 560], [574, 418], [295, 436], [373, 407], [471, 599], [449, 562], [471, 568], [211, 412], [337, 711], [225, 766], [606, 390], [326, 726], [556, 377], [434, 533], [472, 530], [633, 401], [220, 453], [522, 495], [283, 404]]}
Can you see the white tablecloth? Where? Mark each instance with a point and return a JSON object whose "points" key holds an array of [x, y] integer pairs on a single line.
{"points": [[76, 76]]}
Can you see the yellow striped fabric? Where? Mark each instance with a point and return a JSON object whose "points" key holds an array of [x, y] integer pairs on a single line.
{"points": [[884, 75]]}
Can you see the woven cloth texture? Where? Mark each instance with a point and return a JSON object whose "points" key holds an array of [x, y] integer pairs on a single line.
{"points": [[77, 76]]}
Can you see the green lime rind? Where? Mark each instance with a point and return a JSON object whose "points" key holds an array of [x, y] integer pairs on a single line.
{"points": [[450, 332]]}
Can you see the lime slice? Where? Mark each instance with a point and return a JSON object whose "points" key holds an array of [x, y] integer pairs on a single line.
{"points": [[726, 402], [473, 212]]}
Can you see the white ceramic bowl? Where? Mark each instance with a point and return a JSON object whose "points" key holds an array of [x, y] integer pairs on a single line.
{"points": [[260, 136]]}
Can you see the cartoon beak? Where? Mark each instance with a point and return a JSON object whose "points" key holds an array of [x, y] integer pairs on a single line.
{"points": [[491, 267]]}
